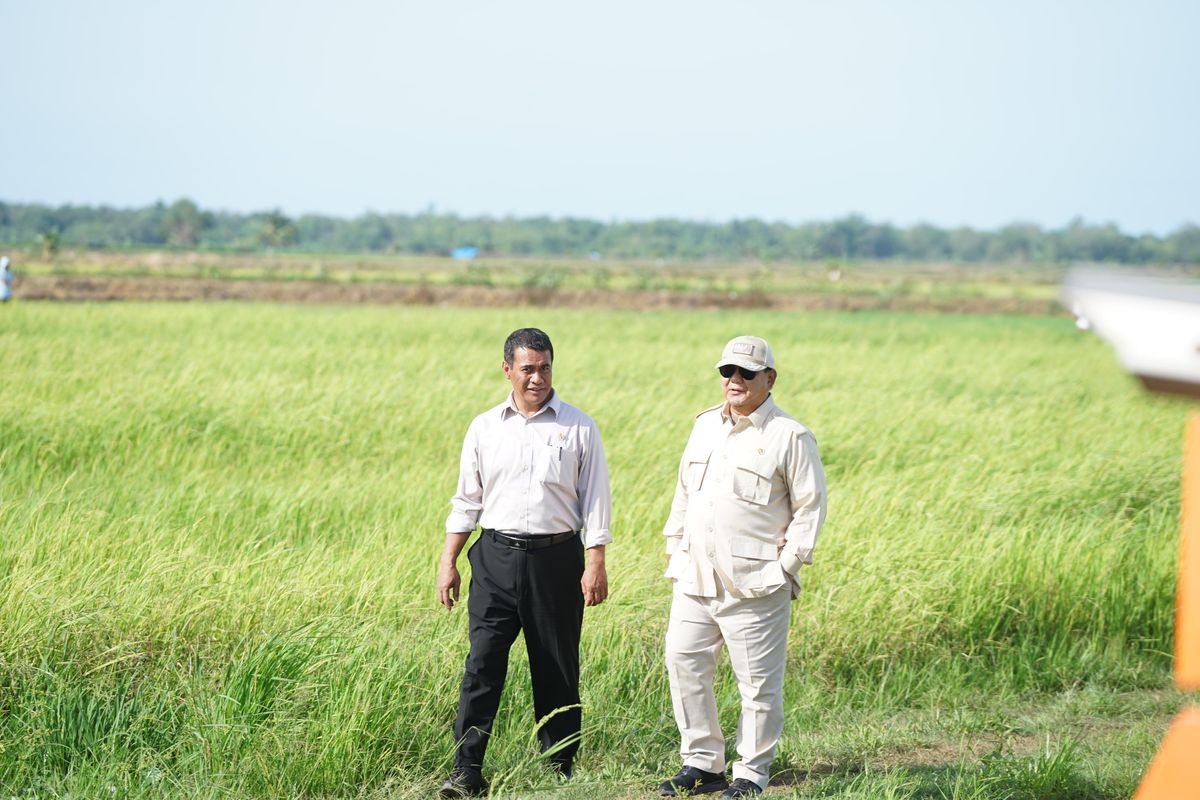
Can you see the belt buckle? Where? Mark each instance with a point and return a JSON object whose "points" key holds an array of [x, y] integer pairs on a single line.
{"points": [[518, 543]]}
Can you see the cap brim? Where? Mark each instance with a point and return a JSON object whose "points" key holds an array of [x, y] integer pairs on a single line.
{"points": [[754, 366]]}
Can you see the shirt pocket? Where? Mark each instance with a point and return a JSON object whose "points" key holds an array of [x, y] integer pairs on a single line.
{"points": [[557, 464], [695, 467], [752, 480], [752, 562], [754, 549]]}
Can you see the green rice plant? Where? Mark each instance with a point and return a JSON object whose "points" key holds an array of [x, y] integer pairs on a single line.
{"points": [[219, 526]]}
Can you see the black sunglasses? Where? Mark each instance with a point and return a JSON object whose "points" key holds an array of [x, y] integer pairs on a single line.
{"points": [[727, 371]]}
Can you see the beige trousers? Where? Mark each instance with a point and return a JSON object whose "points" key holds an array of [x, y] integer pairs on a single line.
{"points": [[754, 630]]}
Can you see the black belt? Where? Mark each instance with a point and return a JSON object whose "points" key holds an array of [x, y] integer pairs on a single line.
{"points": [[534, 542]]}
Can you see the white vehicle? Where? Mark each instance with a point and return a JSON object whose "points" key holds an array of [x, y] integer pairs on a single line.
{"points": [[1153, 323]]}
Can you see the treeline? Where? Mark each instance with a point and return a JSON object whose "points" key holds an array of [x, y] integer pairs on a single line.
{"points": [[183, 224]]}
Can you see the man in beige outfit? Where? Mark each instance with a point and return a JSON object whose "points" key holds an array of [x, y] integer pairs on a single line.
{"points": [[749, 503]]}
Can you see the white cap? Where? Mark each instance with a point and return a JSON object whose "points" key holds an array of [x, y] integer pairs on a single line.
{"points": [[750, 352]]}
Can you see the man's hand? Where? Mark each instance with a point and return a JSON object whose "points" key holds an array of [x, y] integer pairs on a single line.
{"points": [[595, 578], [449, 581]]}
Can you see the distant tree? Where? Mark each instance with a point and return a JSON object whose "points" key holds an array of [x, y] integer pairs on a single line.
{"points": [[1184, 245], [924, 242], [183, 223], [1020, 241], [1147, 248], [844, 238], [967, 244], [147, 226], [369, 232], [1082, 242], [49, 242], [277, 230], [317, 231], [882, 241]]}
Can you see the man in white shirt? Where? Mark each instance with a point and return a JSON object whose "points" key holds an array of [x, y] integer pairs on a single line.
{"points": [[6, 279], [749, 503], [532, 476]]}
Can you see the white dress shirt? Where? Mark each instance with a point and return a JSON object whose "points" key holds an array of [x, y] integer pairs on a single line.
{"points": [[533, 475], [749, 503]]}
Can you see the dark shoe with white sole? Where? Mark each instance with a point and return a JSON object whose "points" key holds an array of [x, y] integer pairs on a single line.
{"points": [[693, 781], [742, 788]]}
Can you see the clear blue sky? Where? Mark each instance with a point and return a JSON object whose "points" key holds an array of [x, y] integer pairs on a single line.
{"points": [[952, 112]]}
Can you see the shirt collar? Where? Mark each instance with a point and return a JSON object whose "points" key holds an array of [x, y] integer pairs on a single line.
{"points": [[554, 404], [758, 418]]}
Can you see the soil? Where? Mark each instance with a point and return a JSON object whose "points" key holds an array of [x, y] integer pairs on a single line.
{"points": [[100, 288]]}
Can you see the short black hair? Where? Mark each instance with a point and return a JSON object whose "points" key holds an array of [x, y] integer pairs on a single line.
{"points": [[530, 339]]}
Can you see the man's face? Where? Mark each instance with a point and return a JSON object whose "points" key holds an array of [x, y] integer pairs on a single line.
{"points": [[745, 395], [529, 374]]}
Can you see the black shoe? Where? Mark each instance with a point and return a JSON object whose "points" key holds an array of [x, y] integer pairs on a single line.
{"points": [[742, 788], [464, 783], [693, 781], [562, 769]]}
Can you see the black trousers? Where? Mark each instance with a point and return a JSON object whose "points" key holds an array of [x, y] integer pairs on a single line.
{"points": [[535, 591]]}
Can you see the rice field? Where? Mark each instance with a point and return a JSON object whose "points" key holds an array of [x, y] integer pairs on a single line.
{"points": [[610, 283], [219, 527]]}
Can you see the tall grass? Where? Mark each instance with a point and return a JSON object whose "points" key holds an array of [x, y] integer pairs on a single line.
{"points": [[219, 526]]}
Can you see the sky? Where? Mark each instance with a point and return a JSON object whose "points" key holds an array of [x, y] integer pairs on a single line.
{"points": [[952, 113]]}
